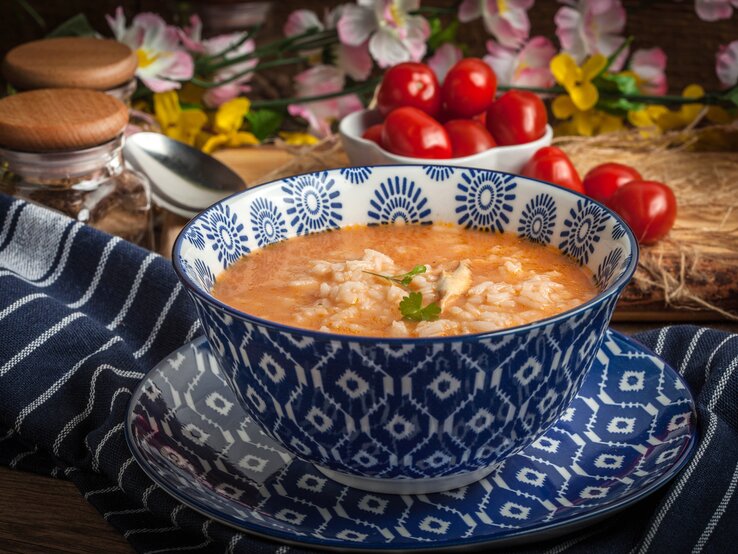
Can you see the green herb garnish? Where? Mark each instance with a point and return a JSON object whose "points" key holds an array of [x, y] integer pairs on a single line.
{"points": [[411, 307], [403, 279]]}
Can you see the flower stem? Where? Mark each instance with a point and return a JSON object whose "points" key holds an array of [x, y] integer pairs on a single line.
{"points": [[281, 102], [237, 76], [709, 98]]}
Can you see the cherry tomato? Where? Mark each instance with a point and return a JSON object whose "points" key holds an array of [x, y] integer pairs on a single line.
{"points": [[648, 207], [516, 117], [602, 181], [411, 132], [469, 88], [374, 133], [468, 137], [551, 164], [409, 84]]}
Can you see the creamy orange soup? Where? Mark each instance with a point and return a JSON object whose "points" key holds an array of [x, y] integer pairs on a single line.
{"points": [[473, 281]]}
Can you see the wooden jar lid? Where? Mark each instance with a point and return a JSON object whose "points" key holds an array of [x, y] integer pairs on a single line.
{"points": [[69, 62], [52, 120]]}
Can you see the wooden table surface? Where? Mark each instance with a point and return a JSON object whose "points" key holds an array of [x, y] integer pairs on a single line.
{"points": [[40, 514]]}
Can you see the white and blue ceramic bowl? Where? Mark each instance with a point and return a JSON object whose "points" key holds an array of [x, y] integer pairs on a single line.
{"points": [[366, 152], [405, 415]]}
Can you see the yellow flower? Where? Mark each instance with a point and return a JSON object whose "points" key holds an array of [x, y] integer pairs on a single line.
{"points": [[578, 80], [179, 124], [583, 122], [226, 124], [298, 139], [663, 119]]}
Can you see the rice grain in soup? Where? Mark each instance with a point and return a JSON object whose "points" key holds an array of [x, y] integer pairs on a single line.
{"points": [[482, 281]]}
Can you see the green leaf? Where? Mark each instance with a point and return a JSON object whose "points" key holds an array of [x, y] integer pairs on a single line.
{"points": [[619, 106], [411, 308], [264, 123], [406, 278], [440, 35], [75, 26], [31, 12], [731, 95], [612, 82]]}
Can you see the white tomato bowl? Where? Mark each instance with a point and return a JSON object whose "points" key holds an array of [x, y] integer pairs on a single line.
{"points": [[366, 152]]}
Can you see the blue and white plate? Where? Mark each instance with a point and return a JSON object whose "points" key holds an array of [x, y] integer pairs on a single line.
{"points": [[630, 429]]}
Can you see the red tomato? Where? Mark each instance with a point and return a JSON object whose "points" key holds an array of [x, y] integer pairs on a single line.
{"points": [[411, 132], [516, 117], [469, 88], [374, 133], [602, 181], [409, 84], [468, 137], [551, 164], [482, 118], [648, 207]]}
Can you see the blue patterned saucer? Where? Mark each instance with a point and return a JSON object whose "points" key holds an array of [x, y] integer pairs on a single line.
{"points": [[630, 429]]}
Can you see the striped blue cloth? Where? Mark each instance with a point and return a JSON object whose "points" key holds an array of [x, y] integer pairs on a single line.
{"points": [[84, 315]]}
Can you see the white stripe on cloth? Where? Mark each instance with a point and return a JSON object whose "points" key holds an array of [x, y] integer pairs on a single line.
{"points": [[133, 292], [19, 457], [132, 511], [233, 542], [38, 341], [9, 219], [48, 393], [282, 550], [72, 423], [717, 514], [725, 341], [150, 530], [20, 303], [687, 472], [160, 320], [101, 491], [98, 273], [123, 469], [192, 331], [661, 340], [145, 497], [690, 350], [106, 438]]}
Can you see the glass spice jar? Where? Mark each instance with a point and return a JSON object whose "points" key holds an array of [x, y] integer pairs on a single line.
{"points": [[62, 148], [79, 62]]}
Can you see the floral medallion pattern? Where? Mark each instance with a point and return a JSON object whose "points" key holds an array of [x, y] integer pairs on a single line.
{"points": [[538, 219], [267, 222], [195, 236], [204, 275], [314, 202], [608, 269], [225, 233], [438, 172], [582, 231], [485, 200], [618, 231], [399, 199], [356, 175]]}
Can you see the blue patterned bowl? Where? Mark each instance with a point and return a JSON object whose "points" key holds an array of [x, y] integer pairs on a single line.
{"points": [[405, 415]]}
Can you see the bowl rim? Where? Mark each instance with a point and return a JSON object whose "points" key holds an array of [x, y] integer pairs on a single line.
{"points": [[208, 298], [405, 160]]}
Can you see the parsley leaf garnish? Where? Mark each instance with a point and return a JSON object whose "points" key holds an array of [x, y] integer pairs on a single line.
{"points": [[404, 279], [411, 307]]}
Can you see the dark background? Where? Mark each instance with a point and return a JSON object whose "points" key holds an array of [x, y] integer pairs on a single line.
{"points": [[690, 43]]}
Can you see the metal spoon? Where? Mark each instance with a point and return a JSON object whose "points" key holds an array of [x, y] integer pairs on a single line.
{"points": [[184, 180]]}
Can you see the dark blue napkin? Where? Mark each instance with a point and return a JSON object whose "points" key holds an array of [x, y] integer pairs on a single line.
{"points": [[83, 316]]}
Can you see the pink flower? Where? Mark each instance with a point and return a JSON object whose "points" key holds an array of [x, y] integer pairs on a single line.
{"points": [[316, 81], [394, 36], [507, 21], [528, 67], [444, 59], [649, 65], [161, 61], [589, 27], [352, 60], [192, 38], [727, 64], [715, 10]]}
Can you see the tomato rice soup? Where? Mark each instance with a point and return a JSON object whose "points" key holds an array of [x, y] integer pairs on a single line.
{"points": [[405, 281]]}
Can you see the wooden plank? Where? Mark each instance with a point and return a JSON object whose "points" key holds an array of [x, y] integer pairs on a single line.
{"points": [[40, 514]]}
